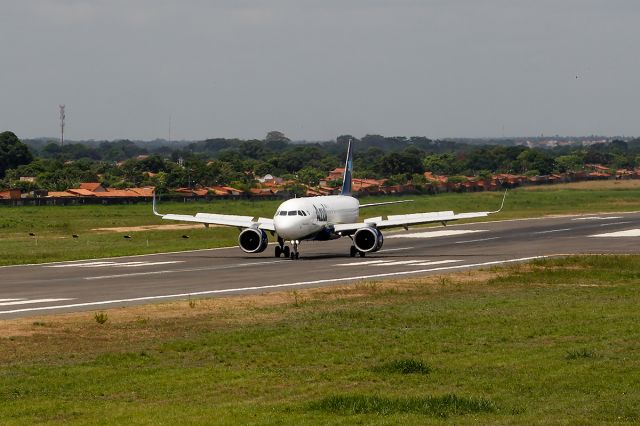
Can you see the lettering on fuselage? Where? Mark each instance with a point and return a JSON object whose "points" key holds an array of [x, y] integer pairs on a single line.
{"points": [[321, 213]]}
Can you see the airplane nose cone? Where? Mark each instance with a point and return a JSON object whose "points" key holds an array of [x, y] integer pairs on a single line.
{"points": [[287, 227]]}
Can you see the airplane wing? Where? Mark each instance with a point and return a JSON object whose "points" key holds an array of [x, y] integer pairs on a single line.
{"points": [[385, 203], [219, 219], [405, 220]]}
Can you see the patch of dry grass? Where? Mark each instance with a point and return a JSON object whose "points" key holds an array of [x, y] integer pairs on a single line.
{"points": [[592, 184]]}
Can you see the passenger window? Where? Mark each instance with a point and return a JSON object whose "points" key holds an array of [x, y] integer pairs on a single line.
{"points": [[293, 213]]}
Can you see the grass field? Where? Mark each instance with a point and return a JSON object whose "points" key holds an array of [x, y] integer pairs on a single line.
{"points": [[53, 226], [554, 342]]}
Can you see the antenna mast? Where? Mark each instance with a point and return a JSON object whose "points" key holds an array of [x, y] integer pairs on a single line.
{"points": [[62, 117]]}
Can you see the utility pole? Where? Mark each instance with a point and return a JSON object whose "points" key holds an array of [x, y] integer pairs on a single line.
{"points": [[62, 117]]}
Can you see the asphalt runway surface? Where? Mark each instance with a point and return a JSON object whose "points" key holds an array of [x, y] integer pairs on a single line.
{"points": [[104, 283]]}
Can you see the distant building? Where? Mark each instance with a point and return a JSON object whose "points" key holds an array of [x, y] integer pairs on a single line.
{"points": [[92, 187]]}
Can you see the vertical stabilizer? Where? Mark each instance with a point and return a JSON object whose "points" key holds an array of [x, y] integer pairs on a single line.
{"points": [[348, 169]]}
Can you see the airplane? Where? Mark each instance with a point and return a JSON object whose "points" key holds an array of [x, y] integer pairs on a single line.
{"points": [[320, 218]]}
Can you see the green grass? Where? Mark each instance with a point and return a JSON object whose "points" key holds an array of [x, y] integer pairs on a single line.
{"points": [[443, 406], [554, 342], [53, 226], [404, 366]]}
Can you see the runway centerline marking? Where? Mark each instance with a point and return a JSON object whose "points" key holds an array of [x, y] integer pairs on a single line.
{"points": [[28, 302], [398, 262], [553, 230], [437, 262], [478, 240], [436, 234], [173, 271], [368, 262], [598, 218], [272, 286], [615, 223], [114, 264], [396, 249]]}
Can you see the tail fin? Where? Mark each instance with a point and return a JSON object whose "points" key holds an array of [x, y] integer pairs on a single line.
{"points": [[348, 169]]}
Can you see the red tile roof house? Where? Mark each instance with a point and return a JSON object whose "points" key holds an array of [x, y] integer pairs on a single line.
{"points": [[336, 174], [92, 186], [624, 174], [368, 186], [10, 194], [190, 192], [80, 192], [61, 194], [226, 191], [261, 192]]}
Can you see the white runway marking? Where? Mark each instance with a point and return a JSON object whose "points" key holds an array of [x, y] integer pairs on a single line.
{"points": [[435, 234], [597, 218], [28, 302], [553, 230], [396, 249], [8, 300], [397, 262], [420, 262], [268, 287], [478, 240], [437, 262], [169, 271], [112, 264], [615, 223], [368, 262], [627, 233]]}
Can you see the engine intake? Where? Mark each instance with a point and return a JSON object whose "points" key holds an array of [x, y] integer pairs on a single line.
{"points": [[253, 240], [368, 239]]}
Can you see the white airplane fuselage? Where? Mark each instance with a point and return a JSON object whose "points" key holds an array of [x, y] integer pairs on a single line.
{"points": [[304, 218]]}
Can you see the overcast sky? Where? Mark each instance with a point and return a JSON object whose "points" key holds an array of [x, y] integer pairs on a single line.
{"points": [[318, 69]]}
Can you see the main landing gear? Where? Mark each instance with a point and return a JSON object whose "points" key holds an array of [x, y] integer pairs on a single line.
{"points": [[354, 251], [282, 250]]}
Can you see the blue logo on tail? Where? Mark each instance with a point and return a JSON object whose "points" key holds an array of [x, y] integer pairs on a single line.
{"points": [[348, 169]]}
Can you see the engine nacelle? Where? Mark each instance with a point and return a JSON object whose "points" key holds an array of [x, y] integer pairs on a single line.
{"points": [[253, 240], [368, 239]]}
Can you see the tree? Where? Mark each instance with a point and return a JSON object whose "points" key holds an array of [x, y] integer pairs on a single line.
{"points": [[535, 160], [441, 164], [569, 163], [13, 152], [310, 176], [276, 141]]}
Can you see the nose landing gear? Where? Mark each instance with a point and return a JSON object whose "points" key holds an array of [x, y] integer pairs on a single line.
{"points": [[282, 250]]}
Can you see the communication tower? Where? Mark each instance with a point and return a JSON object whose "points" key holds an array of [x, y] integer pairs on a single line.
{"points": [[62, 117]]}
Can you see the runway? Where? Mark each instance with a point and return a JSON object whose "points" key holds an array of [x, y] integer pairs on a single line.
{"points": [[103, 283]]}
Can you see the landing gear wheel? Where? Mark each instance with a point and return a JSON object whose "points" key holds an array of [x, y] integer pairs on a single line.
{"points": [[353, 251], [294, 254], [362, 254], [278, 251], [285, 251]]}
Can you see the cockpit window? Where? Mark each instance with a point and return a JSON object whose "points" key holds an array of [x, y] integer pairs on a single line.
{"points": [[292, 213], [301, 213], [283, 213]]}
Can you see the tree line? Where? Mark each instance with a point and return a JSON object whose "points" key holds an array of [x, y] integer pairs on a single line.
{"points": [[125, 163]]}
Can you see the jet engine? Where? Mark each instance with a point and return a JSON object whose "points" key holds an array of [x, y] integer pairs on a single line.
{"points": [[368, 239], [253, 240]]}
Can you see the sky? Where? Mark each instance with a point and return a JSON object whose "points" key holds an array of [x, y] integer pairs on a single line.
{"points": [[317, 69]]}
